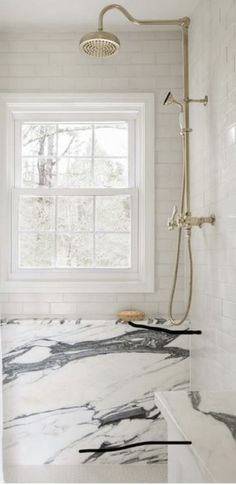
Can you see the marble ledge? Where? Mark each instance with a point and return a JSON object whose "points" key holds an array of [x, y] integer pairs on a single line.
{"points": [[208, 419], [73, 384]]}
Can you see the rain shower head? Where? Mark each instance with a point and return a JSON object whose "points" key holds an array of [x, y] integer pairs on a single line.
{"points": [[99, 44], [105, 44]]}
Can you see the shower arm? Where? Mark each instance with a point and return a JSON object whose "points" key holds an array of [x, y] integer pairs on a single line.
{"points": [[182, 22]]}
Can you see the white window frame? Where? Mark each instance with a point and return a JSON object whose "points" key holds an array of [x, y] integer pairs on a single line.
{"points": [[138, 110]]}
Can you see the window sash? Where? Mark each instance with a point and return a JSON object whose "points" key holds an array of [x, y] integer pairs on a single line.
{"points": [[47, 118], [17, 193]]}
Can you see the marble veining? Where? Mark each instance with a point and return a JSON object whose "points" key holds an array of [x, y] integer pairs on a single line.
{"points": [[228, 419], [208, 419], [81, 384]]}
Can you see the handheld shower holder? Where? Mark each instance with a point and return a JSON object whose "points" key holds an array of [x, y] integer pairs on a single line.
{"points": [[183, 131]]}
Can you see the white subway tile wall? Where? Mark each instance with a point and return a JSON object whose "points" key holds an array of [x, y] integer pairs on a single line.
{"points": [[147, 62], [213, 179]]}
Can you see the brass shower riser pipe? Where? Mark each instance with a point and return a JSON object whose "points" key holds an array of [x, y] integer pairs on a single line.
{"points": [[186, 118]]}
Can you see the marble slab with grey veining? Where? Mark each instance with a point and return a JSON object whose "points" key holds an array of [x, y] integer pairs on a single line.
{"points": [[72, 384], [208, 419]]}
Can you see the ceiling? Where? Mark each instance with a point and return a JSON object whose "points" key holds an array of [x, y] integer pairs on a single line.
{"points": [[75, 15]]}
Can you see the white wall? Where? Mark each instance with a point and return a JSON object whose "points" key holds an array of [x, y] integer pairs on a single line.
{"points": [[213, 175], [147, 62]]}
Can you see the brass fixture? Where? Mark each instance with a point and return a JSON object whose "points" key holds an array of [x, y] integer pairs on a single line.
{"points": [[186, 221], [99, 44], [171, 100], [204, 100], [182, 22], [104, 44]]}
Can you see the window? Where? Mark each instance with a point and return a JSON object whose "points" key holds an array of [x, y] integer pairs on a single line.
{"points": [[87, 225], [81, 207]]}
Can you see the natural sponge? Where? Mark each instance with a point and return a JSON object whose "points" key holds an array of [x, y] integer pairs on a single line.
{"points": [[127, 315]]}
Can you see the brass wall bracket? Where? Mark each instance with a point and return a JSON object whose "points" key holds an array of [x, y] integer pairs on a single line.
{"points": [[204, 100]]}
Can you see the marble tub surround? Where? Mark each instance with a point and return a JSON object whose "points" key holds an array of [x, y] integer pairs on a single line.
{"points": [[81, 384], [208, 419]]}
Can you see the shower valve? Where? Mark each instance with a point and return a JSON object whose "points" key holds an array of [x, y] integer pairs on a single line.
{"points": [[186, 221]]}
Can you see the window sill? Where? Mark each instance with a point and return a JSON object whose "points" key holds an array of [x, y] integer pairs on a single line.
{"points": [[122, 286]]}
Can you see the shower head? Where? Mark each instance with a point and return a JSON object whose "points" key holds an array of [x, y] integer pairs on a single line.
{"points": [[105, 44], [169, 99], [99, 44]]}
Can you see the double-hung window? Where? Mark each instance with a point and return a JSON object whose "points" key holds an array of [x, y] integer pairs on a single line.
{"points": [[80, 204]]}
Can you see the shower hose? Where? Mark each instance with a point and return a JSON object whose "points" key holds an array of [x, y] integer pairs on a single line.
{"points": [[189, 252]]}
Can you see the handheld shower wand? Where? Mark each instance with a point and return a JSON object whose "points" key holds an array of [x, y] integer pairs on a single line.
{"points": [[171, 100]]}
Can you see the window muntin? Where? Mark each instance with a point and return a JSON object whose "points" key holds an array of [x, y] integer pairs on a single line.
{"points": [[73, 208]]}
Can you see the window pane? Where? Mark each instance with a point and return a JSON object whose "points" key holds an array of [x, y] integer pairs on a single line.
{"points": [[113, 213], [74, 251], [36, 250], [39, 140], [111, 173], [111, 139], [75, 214], [36, 213], [112, 250], [38, 172], [30, 172], [74, 139], [74, 172]]}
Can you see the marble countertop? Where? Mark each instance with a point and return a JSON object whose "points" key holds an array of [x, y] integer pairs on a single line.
{"points": [[208, 419]]}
